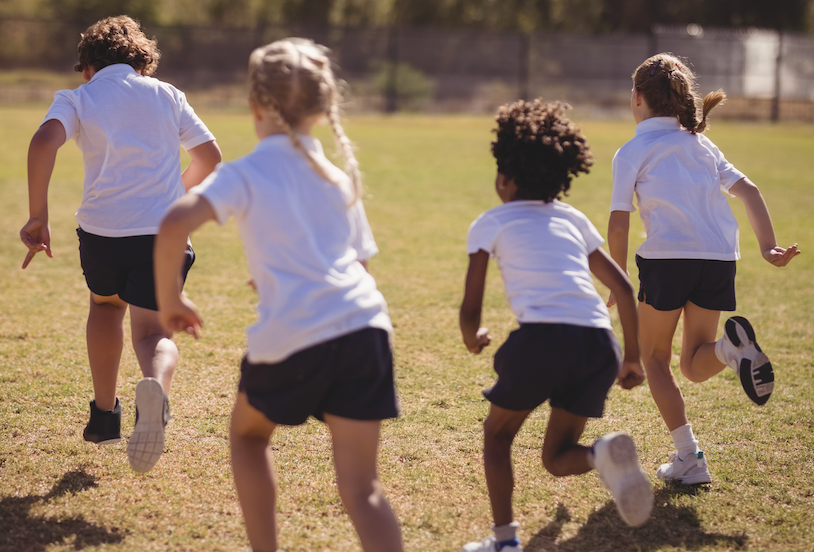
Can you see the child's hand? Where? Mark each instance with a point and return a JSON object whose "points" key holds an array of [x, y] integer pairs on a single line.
{"points": [[181, 317], [779, 256], [36, 235], [482, 339], [631, 374], [611, 300]]}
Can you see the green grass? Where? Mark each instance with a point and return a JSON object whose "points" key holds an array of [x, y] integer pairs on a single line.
{"points": [[427, 178]]}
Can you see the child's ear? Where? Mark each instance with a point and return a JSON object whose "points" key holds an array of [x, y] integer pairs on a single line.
{"points": [[256, 111]]}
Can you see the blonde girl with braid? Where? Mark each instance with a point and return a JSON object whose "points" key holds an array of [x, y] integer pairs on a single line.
{"points": [[321, 344], [687, 262]]}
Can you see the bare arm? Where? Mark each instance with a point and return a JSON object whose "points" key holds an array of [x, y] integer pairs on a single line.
{"points": [[618, 236], [176, 312], [475, 337], [42, 155], [609, 273], [204, 158], [761, 223]]}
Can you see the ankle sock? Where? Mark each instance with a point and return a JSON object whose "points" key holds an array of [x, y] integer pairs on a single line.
{"points": [[506, 535], [684, 440]]}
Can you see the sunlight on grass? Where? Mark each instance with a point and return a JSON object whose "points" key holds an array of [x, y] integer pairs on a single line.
{"points": [[426, 179]]}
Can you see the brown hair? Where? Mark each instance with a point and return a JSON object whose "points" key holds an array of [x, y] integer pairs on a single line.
{"points": [[669, 89], [292, 79], [117, 40], [540, 148]]}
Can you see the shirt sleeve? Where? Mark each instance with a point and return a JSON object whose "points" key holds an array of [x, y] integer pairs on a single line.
{"points": [[64, 111], [727, 172], [226, 192], [624, 184], [193, 132], [482, 235], [593, 239], [363, 241]]}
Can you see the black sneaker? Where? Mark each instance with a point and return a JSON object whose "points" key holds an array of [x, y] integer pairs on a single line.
{"points": [[104, 427], [739, 349]]}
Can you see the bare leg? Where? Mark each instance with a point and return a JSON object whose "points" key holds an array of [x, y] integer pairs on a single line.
{"points": [[105, 340], [355, 446], [698, 360], [499, 431], [656, 331], [561, 454], [157, 354], [253, 470]]}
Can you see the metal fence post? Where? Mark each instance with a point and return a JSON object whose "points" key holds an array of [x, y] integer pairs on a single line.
{"points": [[523, 71], [391, 87], [778, 62]]}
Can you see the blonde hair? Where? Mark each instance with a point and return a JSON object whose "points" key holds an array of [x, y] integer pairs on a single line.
{"points": [[669, 89], [292, 79]]}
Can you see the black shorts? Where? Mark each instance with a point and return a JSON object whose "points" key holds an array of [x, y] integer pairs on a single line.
{"points": [[573, 366], [349, 376], [667, 284], [123, 267]]}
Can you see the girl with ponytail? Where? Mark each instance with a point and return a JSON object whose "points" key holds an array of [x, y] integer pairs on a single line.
{"points": [[687, 262], [321, 344]]}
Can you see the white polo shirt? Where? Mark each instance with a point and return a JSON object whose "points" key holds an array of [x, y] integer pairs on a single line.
{"points": [[542, 251], [129, 128], [677, 178], [302, 244]]}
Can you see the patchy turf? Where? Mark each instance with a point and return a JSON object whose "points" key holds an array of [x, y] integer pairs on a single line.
{"points": [[427, 178]]}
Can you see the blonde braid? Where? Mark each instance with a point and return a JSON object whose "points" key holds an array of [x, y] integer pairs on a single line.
{"points": [[298, 145], [346, 147]]}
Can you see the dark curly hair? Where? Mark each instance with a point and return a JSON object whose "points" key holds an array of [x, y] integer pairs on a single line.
{"points": [[540, 148], [117, 40]]}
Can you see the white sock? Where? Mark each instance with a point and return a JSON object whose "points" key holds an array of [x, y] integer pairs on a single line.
{"points": [[719, 353], [684, 440], [506, 532]]}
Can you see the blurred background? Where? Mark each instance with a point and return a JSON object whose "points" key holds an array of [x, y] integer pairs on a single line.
{"points": [[443, 55]]}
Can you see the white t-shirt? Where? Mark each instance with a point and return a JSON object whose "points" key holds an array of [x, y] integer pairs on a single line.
{"points": [[542, 251], [129, 129], [303, 245], [677, 178]]}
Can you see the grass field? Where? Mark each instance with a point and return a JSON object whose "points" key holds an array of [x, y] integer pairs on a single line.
{"points": [[427, 178]]}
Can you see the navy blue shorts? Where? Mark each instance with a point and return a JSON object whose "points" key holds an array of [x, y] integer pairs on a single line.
{"points": [[667, 284], [573, 366], [123, 267], [349, 376]]}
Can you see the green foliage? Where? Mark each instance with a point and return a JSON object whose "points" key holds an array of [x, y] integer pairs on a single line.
{"points": [[411, 85], [90, 11]]}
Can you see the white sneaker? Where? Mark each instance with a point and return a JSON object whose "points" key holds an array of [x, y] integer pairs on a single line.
{"points": [[691, 470], [617, 464], [489, 544], [739, 350], [152, 414]]}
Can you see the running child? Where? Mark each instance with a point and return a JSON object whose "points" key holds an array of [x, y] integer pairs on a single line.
{"points": [[320, 346], [687, 262], [564, 350], [129, 127]]}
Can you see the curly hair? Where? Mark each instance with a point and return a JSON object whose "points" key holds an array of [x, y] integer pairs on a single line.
{"points": [[669, 89], [540, 148], [117, 40]]}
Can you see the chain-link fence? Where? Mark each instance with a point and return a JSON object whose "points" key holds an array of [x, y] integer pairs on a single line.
{"points": [[766, 74]]}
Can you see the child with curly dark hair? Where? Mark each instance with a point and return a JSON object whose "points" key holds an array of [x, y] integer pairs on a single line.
{"points": [[130, 128], [564, 350]]}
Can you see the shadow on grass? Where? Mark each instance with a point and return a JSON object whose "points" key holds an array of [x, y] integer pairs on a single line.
{"points": [[20, 530], [604, 531]]}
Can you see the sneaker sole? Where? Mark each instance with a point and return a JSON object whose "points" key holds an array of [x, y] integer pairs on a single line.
{"points": [[755, 365], [634, 493], [105, 442], [146, 444]]}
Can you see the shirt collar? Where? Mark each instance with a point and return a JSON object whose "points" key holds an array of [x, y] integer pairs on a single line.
{"points": [[117, 69], [276, 141], [657, 123]]}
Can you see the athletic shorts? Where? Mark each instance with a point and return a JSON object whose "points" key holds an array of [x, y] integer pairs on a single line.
{"points": [[123, 267], [572, 366], [667, 284], [350, 376]]}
